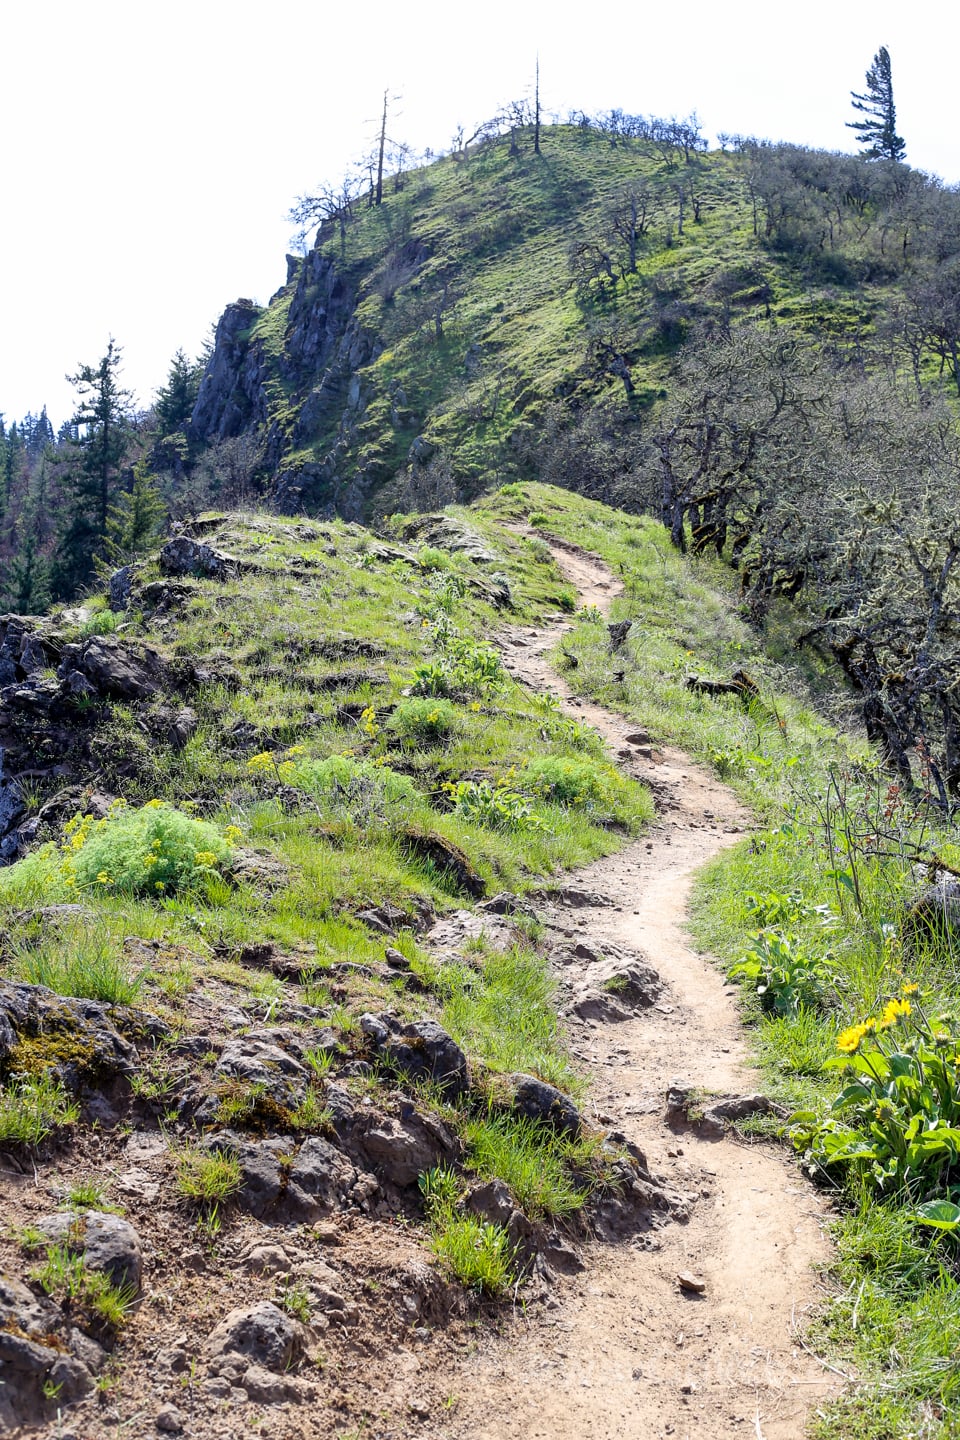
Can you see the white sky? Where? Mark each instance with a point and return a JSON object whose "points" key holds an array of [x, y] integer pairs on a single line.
{"points": [[152, 151]]}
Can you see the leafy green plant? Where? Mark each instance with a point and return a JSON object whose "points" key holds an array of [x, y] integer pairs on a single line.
{"points": [[32, 1108], [494, 803], [897, 1120], [423, 721], [784, 974]]}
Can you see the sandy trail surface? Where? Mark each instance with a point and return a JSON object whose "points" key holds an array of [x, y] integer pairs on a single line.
{"points": [[626, 1352]]}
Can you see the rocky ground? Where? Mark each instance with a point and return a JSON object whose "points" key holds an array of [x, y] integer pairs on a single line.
{"points": [[310, 1305]]}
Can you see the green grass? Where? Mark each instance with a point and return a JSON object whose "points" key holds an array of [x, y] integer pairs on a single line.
{"points": [[33, 1109], [63, 1275], [545, 1171], [206, 1177]]}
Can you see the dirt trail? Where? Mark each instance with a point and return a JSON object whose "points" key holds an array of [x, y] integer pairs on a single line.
{"points": [[626, 1353]]}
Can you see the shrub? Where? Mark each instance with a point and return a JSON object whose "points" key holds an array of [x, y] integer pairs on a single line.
{"points": [[153, 850], [358, 790], [31, 1109], [423, 721], [897, 1121], [494, 804], [430, 558]]}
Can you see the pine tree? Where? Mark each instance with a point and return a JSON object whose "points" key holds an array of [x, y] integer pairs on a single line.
{"points": [[135, 520], [879, 130], [102, 424], [176, 399]]}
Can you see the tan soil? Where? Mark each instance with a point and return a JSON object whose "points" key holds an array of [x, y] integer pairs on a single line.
{"points": [[618, 1351], [627, 1353]]}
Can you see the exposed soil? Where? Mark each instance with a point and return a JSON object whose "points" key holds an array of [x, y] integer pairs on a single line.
{"points": [[627, 1351], [397, 1350]]}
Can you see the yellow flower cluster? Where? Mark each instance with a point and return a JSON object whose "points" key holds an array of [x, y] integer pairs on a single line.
{"points": [[233, 834], [205, 857], [850, 1040]]}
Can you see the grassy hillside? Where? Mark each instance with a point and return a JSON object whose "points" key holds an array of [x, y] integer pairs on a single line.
{"points": [[496, 284]]}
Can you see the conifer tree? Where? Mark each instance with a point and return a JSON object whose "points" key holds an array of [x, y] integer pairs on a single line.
{"points": [[176, 399], [102, 424], [878, 131], [135, 520]]}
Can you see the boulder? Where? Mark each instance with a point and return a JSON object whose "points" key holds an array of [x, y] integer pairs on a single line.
{"points": [[120, 587], [422, 1050], [536, 1100], [102, 666], [108, 1244], [183, 556], [283, 1079], [260, 1335], [400, 1150], [69, 1038]]}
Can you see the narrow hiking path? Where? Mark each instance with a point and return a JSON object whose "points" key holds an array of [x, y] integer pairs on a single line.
{"points": [[626, 1352]]}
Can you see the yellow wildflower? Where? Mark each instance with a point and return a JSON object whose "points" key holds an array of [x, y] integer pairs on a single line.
{"points": [[893, 1011], [849, 1040], [103, 878], [910, 989], [233, 834], [205, 857], [153, 805], [149, 860]]}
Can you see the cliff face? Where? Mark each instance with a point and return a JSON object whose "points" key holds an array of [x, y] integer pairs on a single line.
{"points": [[288, 375]]}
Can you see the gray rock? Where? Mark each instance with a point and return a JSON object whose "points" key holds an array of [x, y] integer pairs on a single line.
{"points": [[424, 1051], [936, 912], [120, 586], [107, 1243], [266, 1260], [265, 1387], [112, 669], [283, 1079], [170, 1421], [323, 1179], [402, 1149], [83, 1041], [536, 1100], [255, 1335], [183, 556]]}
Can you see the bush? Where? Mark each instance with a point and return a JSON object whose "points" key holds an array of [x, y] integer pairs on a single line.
{"points": [[358, 790], [897, 1121], [423, 721], [154, 850], [596, 788], [493, 804], [786, 976]]}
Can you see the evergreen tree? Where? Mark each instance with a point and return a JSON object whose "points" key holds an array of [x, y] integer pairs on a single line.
{"points": [[102, 422], [176, 399], [878, 132], [135, 520]]}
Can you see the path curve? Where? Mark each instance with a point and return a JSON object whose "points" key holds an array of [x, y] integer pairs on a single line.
{"points": [[626, 1354]]}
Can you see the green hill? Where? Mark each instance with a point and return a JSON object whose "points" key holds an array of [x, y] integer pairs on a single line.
{"points": [[444, 341]]}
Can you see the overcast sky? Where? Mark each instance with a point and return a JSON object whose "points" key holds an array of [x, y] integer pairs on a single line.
{"points": [[152, 151]]}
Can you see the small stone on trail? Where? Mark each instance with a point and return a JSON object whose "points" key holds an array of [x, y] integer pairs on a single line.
{"points": [[691, 1283], [170, 1420]]}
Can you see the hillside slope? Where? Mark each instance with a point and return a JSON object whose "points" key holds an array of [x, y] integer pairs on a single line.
{"points": [[416, 352]]}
